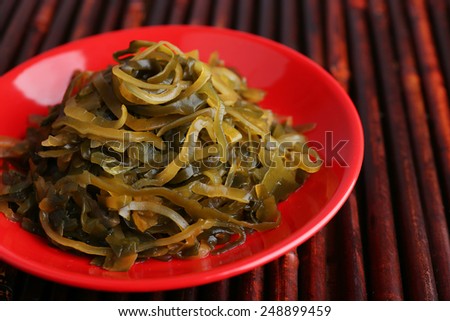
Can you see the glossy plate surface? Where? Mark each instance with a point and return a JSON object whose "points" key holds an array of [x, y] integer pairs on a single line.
{"points": [[294, 85]]}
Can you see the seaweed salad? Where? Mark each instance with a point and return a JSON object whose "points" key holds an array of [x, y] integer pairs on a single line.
{"points": [[158, 156]]}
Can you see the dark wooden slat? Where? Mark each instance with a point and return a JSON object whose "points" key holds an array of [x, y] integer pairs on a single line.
{"points": [[352, 260], [179, 11], [222, 16], [149, 296], [6, 11], [289, 23], [439, 11], [335, 275], [188, 294], [7, 281], [35, 289], [245, 15], [76, 294], [134, 14], [282, 278], [250, 286], [200, 12], [159, 12], [61, 24], [115, 296], [434, 89], [418, 271], [266, 19], [384, 266], [314, 30], [12, 40], [112, 15], [312, 269], [336, 43], [217, 291], [39, 27], [59, 292], [425, 163], [88, 19]]}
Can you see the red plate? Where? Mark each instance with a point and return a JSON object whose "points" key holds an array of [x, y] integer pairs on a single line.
{"points": [[295, 86]]}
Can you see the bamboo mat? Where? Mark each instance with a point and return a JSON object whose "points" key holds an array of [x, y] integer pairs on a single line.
{"points": [[390, 241]]}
